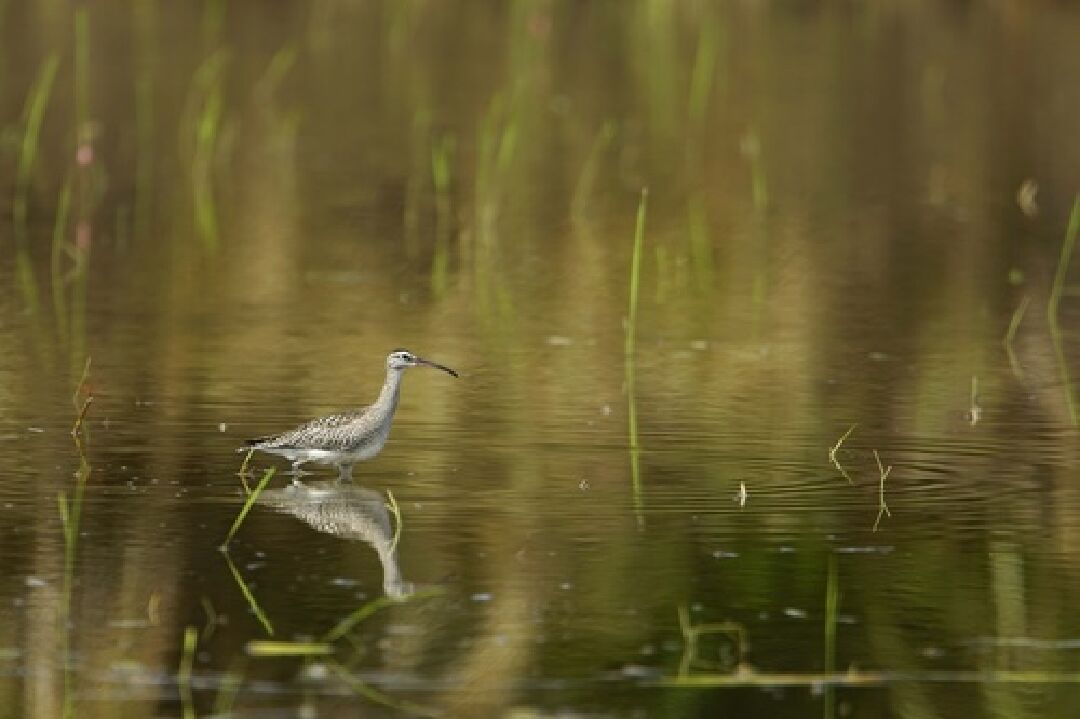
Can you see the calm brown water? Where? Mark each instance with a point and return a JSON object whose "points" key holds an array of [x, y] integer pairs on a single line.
{"points": [[235, 210]]}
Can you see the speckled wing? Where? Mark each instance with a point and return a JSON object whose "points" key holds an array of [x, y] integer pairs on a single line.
{"points": [[332, 432]]}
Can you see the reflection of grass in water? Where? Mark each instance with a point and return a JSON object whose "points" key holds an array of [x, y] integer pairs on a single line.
{"points": [[628, 357], [442, 152], [396, 511], [37, 101], [1052, 306], [702, 74], [60, 225], [589, 171], [256, 609], [70, 514], [701, 251], [146, 63], [206, 103], [33, 118], [1010, 334], [832, 600]]}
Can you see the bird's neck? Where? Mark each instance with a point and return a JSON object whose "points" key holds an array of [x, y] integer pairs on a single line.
{"points": [[388, 396]]}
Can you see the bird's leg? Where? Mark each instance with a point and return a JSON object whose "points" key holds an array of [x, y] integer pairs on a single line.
{"points": [[344, 471], [297, 473]]}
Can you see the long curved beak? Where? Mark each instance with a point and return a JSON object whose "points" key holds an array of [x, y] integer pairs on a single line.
{"points": [[436, 365]]}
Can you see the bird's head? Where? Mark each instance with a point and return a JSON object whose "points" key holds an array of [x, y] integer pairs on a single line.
{"points": [[400, 359]]}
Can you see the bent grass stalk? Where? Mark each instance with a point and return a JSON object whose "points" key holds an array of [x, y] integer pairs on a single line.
{"points": [[267, 476], [243, 470], [883, 508], [628, 358], [1052, 306], [836, 447]]}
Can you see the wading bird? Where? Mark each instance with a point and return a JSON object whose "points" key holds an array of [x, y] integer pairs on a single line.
{"points": [[350, 437]]}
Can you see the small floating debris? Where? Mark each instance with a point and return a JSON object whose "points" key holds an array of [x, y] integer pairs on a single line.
{"points": [[347, 582], [559, 341], [742, 495], [481, 597], [864, 550], [794, 613]]}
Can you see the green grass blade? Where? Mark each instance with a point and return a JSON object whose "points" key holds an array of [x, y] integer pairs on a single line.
{"points": [[267, 476], [269, 648]]}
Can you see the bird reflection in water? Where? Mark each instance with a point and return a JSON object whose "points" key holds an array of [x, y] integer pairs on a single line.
{"points": [[347, 511]]}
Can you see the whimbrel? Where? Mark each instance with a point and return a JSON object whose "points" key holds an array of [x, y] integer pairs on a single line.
{"points": [[350, 437]]}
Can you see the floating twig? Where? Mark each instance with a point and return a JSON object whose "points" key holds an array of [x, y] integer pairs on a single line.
{"points": [[883, 508], [836, 447]]}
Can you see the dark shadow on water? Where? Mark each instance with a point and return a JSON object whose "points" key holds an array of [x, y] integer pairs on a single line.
{"points": [[348, 511]]}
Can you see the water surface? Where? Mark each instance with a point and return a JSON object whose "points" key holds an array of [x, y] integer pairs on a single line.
{"points": [[847, 207]]}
